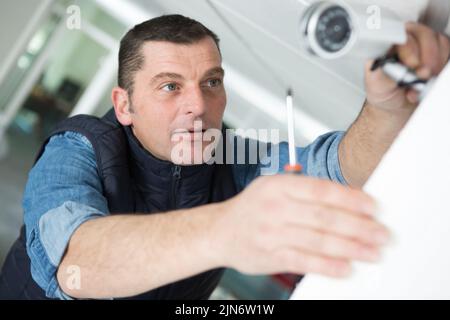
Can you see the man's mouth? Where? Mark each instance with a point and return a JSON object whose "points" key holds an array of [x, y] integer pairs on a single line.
{"points": [[189, 131], [190, 134]]}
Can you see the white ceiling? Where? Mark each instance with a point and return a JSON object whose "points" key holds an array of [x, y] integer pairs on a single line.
{"points": [[328, 95]]}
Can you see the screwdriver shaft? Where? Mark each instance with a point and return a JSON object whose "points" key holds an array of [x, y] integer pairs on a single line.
{"points": [[291, 130]]}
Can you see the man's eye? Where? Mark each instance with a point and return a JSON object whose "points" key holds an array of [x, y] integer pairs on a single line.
{"points": [[214, 83], [170, 87]]}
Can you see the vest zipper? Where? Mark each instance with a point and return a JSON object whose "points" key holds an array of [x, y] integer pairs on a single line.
{"points": [[175, 179]]}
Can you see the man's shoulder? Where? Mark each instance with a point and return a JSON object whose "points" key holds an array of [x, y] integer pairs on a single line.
{"points": [[70, 139], [86, 133], [67, 148], [68, 143]]}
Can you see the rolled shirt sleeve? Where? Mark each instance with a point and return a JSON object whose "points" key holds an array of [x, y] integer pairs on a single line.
{"points": [[63, 191], [320, 159]]}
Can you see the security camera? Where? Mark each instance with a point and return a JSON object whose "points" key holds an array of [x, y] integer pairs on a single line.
{"points": [[327, 29], [332, 29]]}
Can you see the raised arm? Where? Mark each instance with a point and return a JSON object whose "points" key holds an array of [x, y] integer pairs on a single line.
{"points": [[388, 108]]}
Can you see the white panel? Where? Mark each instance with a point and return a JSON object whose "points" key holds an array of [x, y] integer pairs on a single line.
{"points": [[413, 190]]}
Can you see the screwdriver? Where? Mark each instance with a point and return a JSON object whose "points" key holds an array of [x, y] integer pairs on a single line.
{"points": [[292, 167]]}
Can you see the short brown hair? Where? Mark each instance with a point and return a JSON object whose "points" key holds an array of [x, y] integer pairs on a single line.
{"points": [[172, 28]]}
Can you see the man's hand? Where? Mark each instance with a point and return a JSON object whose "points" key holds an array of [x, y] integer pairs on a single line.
{"points": [[427, 52], [300, 225], [388, 107]]}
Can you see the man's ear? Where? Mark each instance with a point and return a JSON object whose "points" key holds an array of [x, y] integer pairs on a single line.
{"points": [[122, 105]]}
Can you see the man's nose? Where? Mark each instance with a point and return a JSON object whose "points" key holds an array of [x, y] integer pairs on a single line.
{"points": [[195, 102]]}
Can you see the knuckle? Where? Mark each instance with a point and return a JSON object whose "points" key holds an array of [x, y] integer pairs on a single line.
{"points": [[272, 205], [319, 189], [410, 58], [266, 230], [324, 217], [350, 249]]}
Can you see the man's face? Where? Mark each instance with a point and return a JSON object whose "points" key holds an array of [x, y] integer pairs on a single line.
{"points": [[178, 85]]}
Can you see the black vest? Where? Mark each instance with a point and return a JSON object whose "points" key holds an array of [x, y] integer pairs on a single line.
{"points": [[133, 181]]}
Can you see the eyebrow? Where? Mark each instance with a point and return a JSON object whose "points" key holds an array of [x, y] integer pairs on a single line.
{"points": [[165, 75], [176, 76], [215, 71]]}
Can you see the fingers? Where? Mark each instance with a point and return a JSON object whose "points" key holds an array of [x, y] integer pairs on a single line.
{"points": [[328, 193], [409, 53], [412, 95], [444, 44], [300, 262], [339, 222], [374, 78], [320, 227], [426, 52], [328, 245], [429, 46]]}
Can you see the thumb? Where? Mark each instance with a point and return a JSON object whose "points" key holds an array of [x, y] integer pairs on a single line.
{"points": [[377, 82], [381, 90]]}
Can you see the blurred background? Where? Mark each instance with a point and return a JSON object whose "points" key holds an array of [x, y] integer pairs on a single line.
{"points": [[59, 58]]}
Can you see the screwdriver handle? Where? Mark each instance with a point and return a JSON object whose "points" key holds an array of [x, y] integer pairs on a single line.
{"points": [[293, 169]]}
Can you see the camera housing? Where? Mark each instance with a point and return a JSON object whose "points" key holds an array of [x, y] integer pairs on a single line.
{"points": [[333, 29]]}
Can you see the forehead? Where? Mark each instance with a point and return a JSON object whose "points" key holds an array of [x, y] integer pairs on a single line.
{"points": [[164, 56]]}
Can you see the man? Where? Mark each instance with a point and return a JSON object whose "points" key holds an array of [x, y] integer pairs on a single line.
{"points": [[88, 232]]}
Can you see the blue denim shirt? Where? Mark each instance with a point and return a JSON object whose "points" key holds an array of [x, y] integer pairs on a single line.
{"points": [[64, 190]]}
